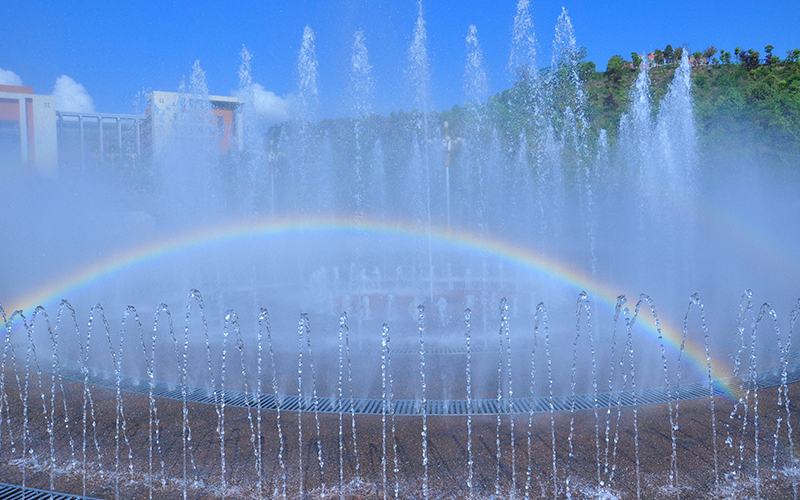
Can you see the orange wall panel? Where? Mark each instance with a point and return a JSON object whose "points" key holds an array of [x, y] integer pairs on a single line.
{"points": [[9, 110]]}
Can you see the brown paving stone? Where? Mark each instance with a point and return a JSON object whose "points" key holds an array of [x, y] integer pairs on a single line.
{"points": [[447, 451]]}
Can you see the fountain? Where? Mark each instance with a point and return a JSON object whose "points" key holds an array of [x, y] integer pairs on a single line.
{"points": [[422, 306]]}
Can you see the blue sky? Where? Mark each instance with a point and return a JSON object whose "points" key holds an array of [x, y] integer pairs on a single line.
{"points": [[116, 49]]}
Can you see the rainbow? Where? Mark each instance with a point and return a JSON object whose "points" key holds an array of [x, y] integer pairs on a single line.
{"points": [[247, 230]]}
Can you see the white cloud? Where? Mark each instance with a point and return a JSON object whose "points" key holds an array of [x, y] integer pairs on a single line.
{"points": [[267, 106], [8, 77], [72, 96]]}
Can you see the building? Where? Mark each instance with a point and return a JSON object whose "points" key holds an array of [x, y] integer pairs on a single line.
{"points": [[97, 143], [165, 111], [35, 138], [28, 134]]}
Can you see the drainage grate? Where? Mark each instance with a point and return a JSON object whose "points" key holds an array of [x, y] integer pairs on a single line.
{"points": [[374, 406], [13, 492]]}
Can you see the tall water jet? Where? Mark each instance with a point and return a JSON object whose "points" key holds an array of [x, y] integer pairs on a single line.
{"points": [[522, 61], [568, 97], [470, 458], [187, 162], [424, 401], [419, 73], [676, 134], [307, 100], [253, 160], [476, 91], [361, 81], [476, 83], [636, 130]]}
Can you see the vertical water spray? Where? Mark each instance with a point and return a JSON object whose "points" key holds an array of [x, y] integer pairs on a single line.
{"points": [[64, 306], [522, 61], [361, 81], [673, 421], [301, 403], [340, 407], [540, 320], [186, 158], [25, 393], [181, 361], [193, 296], [745, 383], [676, 133], [222, 401], [161, 309], [476, 83], [793, 316], [250, 185], [419, 72], [343, 326], [610, 468], [88, 400], [307, 98], [9, 355], [218, 396], [695, 301], [630, 321], [470, 459], [424, 402], [116, 358], [315, 403], [252, 401], [3, 395], [566, 84], [264, 324], [567, 104], [33, 362], [384, 407], [473, 171], [395, 459], [507, 333], [259, 404], [500, 406], [532, 408]]}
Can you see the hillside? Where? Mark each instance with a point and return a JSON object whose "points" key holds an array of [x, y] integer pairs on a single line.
{"points": [[733, 103]]}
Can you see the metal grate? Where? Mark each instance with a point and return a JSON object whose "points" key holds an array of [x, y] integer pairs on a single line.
{"points": [[375, 406], [13, 492]]}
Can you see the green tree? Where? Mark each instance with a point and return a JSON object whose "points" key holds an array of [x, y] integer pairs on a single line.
{"points": [[669, 53], [698, 58], [677, 54], [587, 70], [615, 68], [637, 59], [658, 57], [768, 54], [750, 58], [793, 55], [725, 56], [709, 53]]}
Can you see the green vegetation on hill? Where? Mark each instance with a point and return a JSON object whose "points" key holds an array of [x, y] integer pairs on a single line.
{"points": [[761, 102]]}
